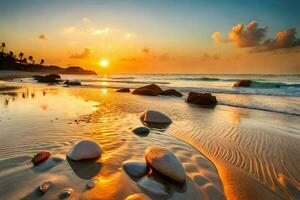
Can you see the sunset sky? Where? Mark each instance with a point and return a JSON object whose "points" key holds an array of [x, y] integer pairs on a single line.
{"points": [[157, 36]]}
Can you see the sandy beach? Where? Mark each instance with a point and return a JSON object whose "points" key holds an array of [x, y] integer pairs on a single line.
{"points": [[227, 152]]}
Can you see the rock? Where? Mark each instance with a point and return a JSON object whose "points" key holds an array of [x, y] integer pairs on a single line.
{"points": [[171, 92], [85, 149], [151, 90], [91, 183], [40, 157], [165, 162], [243, 83], [142, 130], [152, 116], [48, 164], [67, 82], [52, 78], [135, 168], [152, 186], [44, 187], [66, 193], [123, 90], [137, 197], [37, 76], [201, 99]]}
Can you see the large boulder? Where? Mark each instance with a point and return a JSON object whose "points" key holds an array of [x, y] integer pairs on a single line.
{"points": [[165, 162], [151, 90], [51, 78], [135, 168], [243, 83], [85, 149], [171, 92], [201, 99], [151, 116], [125, 90]]}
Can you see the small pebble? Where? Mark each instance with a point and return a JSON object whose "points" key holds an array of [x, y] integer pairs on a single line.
{"points": [[91, 183], [40, 157], [44, 187], [66, 193]]}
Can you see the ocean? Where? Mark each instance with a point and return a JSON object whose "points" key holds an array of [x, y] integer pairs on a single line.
{"points": [[268, 92]]}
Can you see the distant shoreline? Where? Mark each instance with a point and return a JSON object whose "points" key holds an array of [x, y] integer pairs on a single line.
{"points": [[11, 74]]}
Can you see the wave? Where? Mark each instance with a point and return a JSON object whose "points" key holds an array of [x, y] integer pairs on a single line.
{"points": [[257, 84], [198, 79], [123, 78], [289, 111]]}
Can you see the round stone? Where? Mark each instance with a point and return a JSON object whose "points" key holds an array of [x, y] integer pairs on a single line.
{"points": [[142, 130], [40, 157], [152, 186], [152, 116], [91, 183], [85, 149], [66, 193], [135, 168], [44, 187], [165, 162]]}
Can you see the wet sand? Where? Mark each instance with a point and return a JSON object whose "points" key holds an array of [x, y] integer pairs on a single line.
{"points": [[227, 152], [61, 117]]}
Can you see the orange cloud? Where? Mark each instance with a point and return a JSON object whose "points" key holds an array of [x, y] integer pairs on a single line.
{"points": [[145, 50], [254, 36], [85, 54], [283, 39], [42, 37]]}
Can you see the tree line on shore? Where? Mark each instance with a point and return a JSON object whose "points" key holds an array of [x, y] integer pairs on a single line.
{"points": [[14, 58], [11, 61]]}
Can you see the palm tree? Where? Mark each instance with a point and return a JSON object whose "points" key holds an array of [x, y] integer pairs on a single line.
{"points": [[3, 46], [30, 58], [42, 61], [24, 60], [21, 57], [11, 54]]}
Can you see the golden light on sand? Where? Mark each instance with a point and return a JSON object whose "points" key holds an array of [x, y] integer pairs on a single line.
{"points": [[104, 91], [104, 63]]}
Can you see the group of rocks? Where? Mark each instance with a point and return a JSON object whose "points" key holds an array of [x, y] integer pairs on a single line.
{"points": [[158, 160], [83, 150], [54, 79], [205, 99], [160, 163]]}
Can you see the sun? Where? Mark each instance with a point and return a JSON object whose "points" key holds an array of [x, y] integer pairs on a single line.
{"points": [[104, 63]]}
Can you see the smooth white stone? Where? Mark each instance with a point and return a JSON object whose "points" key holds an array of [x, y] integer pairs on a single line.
{"points": [[155, 117], [141, 130], [165, 162], [135, 168], [152, 186], [85, 149]]}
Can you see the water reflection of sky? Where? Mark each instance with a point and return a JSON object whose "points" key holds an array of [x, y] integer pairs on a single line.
{"points": [[36, 105]]}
